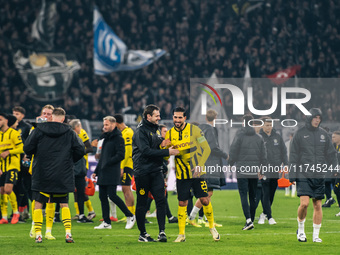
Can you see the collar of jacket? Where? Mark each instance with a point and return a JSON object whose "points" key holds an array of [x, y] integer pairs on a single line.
{"points": [[153, 127], [271, 134], [109, 135]]}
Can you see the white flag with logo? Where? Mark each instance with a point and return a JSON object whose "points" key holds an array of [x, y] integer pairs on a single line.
{"points": [[111, 53]]}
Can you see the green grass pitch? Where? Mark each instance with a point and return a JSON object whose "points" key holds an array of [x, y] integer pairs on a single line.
{"points": [[264, 239]]}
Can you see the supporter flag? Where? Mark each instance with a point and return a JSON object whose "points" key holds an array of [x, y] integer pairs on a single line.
{"points": [[111, 53], [43, 28], [47, 75], [283, 75]]}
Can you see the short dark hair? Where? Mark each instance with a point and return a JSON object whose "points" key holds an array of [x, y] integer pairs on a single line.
{"points": [[59, 112], [19, 109], [266, 119], [179, 109], [149, 110], [336, 132], [11, 119], [119, 118], [3, 115], [160, 126], [247, 117], [211, 114]]}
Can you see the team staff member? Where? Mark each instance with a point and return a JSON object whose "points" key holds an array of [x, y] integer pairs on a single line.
{"points": [[277, 157], [336, 142], [55, 147], [11, 147], [147, 164], [249, 153], [194, 151], [311, 147], [108, 172], [126, 166]]}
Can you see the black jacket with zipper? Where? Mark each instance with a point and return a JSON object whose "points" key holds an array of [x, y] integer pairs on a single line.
{"points": [[146, 154], [113, 152], [55, 147]]}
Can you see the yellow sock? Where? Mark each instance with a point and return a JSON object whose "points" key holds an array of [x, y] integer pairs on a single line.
{"points": [[4, 205], [208, 212], [76, 207], [50, 209], [182, 216], [88, 205], [38, 221], [32, 208], [13, 201], [132, 209], [66, 217]]}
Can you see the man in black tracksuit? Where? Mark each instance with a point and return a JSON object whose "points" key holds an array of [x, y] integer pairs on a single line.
{"points": [[147, 165], [108, 173], [277, 159], [311, 157], [249, 153], [55, 147]]}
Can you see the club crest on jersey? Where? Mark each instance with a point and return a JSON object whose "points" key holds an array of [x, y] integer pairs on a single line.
{"points": [[142, 192], [276, 142]]}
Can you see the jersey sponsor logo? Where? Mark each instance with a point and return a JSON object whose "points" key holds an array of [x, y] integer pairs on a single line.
{"points": [[182, 145]]}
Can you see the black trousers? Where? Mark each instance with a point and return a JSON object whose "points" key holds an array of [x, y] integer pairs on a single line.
{"points": [[111, 192], [153, 182], [80, 186], [269, 187], [248, 186], [328, 187]]}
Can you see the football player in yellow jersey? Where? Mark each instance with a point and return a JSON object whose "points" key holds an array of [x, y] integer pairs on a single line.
{"points": [[81, 198], [126, 165], [194, 151], [11, 147]]}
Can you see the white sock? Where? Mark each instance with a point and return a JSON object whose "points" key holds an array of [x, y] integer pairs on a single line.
{"points": [[171, 217], [194, 212], [316, 230], [301, 225], [287, 191], [248, 220], [293, 190], [113, 210]]}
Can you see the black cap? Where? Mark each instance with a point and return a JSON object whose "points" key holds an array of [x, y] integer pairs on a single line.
{"points": [[3, 115], [11, 119]]}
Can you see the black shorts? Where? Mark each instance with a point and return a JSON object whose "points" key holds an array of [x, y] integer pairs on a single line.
{"points": [[10, 177], [198, 185], [314, 188], [125, 180], [45, 197]]}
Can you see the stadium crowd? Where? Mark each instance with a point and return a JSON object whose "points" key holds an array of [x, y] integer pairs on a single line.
{"points": [[200, 37]]}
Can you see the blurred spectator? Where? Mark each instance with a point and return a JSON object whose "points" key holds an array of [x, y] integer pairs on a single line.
{"points": [[200, 37]]}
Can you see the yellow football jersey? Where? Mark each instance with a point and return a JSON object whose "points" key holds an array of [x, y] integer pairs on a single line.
{"points": [[84, 137], [127, 134], [11, 140], [193, 149]]}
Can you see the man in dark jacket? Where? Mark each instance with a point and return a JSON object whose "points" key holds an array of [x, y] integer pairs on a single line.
{"points": [[311, 157], [214, 177], [249, 153], [277, 159], [148, 164], [55, 147], [336, 143], [25, 177], [108, 173]]}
